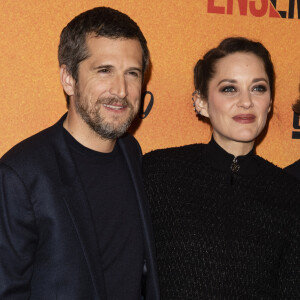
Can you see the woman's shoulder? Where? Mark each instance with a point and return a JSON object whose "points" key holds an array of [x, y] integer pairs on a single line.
{"points": [[275, 171], [184, 153], [284, 187], [172, 161], [294, 169]]}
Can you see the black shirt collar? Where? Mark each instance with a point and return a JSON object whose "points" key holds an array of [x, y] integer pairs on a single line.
{"points": [[88, 153], [219, 159]]}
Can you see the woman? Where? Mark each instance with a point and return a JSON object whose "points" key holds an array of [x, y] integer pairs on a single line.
{"points": [[226, 222]]}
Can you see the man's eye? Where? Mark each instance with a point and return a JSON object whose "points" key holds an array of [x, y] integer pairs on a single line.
{"points": [[259, 88], [104, 70], [135, 74], [228, 89]]}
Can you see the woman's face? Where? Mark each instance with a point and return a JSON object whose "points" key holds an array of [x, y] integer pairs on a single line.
{"points": [[239, 99]]}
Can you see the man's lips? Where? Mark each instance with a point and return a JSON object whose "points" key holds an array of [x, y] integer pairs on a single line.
{"points": [[244, 118], [115, 107]]}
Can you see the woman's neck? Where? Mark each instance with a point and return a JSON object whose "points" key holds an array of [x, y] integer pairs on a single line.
{"points": [[235, 148]]}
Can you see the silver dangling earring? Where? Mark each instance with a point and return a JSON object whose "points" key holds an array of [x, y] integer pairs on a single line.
{"points": [[197, 92]]}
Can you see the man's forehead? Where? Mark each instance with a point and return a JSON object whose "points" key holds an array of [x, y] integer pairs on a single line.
{"points": [[93, 37], [129, 49]]}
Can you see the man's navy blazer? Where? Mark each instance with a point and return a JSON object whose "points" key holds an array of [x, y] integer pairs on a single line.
{"points": [[48, 244]]}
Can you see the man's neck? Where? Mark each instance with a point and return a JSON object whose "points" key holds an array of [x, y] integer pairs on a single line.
{"points": [[81, 132]]}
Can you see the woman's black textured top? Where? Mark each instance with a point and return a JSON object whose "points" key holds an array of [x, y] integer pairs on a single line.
{"points": [[223, 234], [294, 169]]}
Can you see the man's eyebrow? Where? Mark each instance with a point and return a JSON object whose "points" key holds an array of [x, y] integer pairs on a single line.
{"points": [[135, 69], [103, 67], [138, 69]]}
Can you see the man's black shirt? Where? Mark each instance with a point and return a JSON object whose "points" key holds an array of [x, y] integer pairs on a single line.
{"points": [[109, 189]]}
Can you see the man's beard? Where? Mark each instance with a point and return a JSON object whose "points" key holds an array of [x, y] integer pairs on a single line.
{"points": [[92, 116]]}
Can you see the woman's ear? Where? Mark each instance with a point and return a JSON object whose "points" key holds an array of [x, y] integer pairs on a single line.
{"points": [[270, 105], [200, 105], [67, 81]]}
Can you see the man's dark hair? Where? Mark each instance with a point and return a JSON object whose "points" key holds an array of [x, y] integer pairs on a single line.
{"points": [[99, 21], [205, 68]]}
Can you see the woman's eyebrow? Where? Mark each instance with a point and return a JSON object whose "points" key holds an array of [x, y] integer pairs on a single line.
{"points": [[227, 80]]}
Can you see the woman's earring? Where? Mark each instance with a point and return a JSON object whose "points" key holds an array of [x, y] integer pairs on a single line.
{"points": [[196, 92], [194, 105]]}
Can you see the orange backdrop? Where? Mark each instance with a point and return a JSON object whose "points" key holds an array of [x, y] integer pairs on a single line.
{"points": [[178, 33]]}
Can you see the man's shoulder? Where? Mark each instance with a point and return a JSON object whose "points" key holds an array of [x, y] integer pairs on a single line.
{"points": [[31, 149], [130, 143], [129, 138]]}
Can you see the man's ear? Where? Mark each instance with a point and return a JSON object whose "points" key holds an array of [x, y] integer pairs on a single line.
{"points": [[201, 105], [67, 81]]}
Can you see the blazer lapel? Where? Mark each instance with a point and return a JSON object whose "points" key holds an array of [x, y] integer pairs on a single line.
{"points": [[76, 202], [80, 212], [134, 164]]}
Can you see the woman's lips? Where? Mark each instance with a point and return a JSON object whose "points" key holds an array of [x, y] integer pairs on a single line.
{"points": [[244, 118]]}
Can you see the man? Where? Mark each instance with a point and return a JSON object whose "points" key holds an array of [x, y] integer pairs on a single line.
{"points": [[73, 224], [294, 168]]}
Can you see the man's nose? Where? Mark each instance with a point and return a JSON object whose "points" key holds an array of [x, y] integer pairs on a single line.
{"points": [[119, 87]]}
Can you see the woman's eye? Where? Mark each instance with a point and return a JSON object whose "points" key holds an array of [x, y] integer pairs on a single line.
{"points": [[228, 89], [259, 88]]}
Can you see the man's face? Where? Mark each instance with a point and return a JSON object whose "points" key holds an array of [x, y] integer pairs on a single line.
{"points": [[108, 91]]}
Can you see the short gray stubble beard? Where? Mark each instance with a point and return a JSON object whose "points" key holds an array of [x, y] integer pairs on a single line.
{"points": [[91, 115]]}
